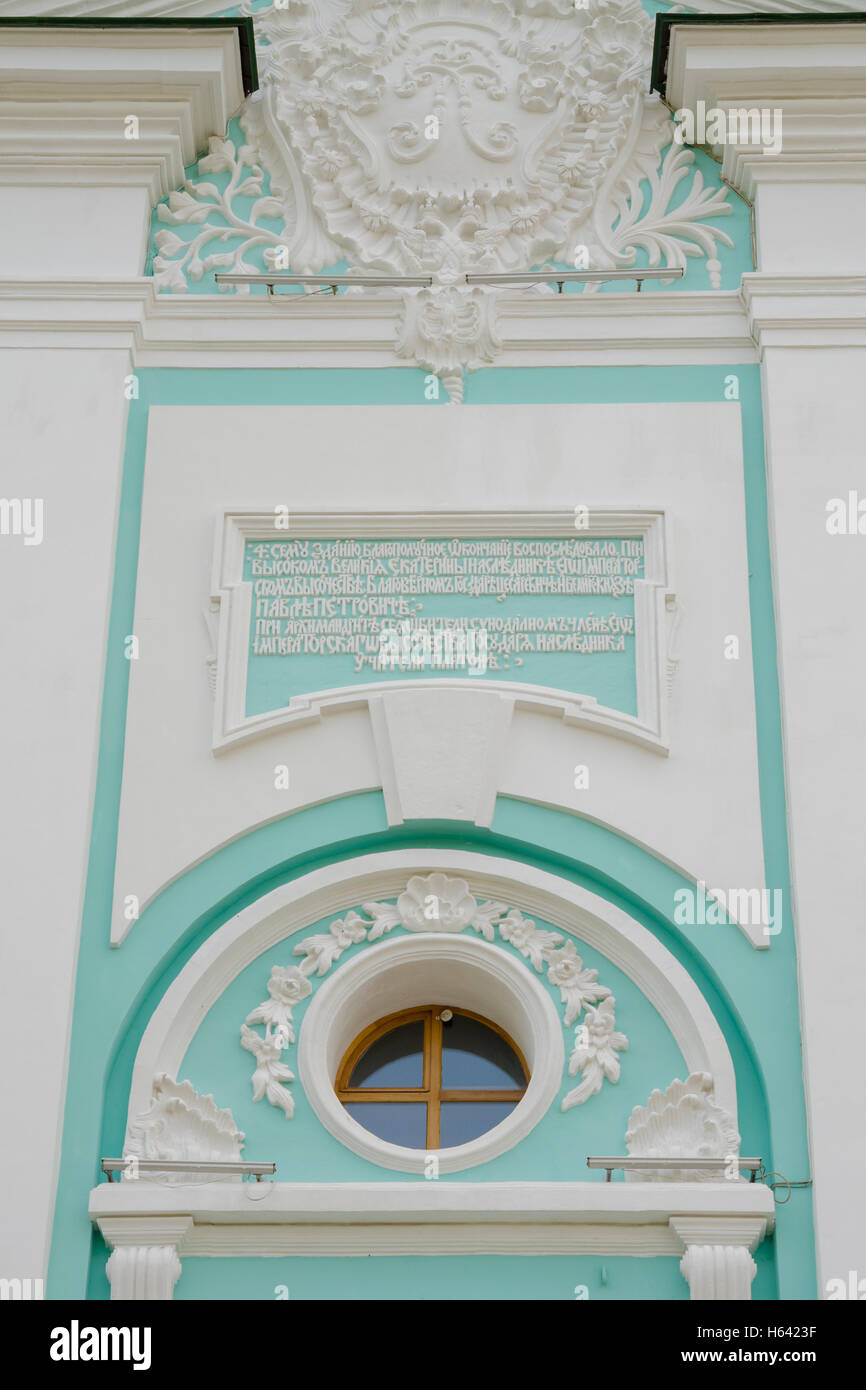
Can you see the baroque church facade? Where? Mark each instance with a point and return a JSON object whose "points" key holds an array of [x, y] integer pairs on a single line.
{"points": [[433, 533]]}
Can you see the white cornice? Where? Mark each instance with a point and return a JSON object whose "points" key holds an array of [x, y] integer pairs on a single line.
{"points": [[66, 94], [814, 75], [774, 61], [428, 1218]]}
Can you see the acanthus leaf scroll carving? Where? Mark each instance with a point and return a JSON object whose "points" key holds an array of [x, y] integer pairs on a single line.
{"points": [[444, 137]]}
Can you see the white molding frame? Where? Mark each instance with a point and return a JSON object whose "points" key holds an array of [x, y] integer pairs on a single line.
{"points": [[427, 1218], [408, 971], [234, 598], [293, 907]]}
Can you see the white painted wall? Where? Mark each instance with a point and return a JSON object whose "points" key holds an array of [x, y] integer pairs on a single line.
{"points": [[684, 458], [63, 418], [111, 228], [814, 417]]}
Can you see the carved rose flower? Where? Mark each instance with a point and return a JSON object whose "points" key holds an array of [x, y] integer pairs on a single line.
{"points": [[519, 932], [577, 985], [348, 930], [288, 985], [568, 970]]}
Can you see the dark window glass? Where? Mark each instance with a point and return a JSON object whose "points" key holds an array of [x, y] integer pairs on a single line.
{"points": [[397, 1121], [426, 1082], [397, 1059], [462, 1120], [476, 1058]]}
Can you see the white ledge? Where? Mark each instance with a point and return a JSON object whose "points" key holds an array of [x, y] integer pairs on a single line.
{"points": [[164, 330], [771, 309], [806, 310], [426, 1218]]}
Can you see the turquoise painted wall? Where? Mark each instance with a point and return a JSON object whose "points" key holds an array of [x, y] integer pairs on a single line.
{"points": [[558, 1278], [753, 994]]}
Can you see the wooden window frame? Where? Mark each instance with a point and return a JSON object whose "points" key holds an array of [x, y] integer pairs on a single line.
{"points": [[431, 1090]]}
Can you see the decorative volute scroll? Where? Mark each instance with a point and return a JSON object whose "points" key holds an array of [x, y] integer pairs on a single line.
{"points": [[180, 1124], [438, 903], [682, 1121], [440, 137]]}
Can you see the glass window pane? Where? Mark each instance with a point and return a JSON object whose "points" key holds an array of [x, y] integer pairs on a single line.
{"points": [[400, 1122], [476, 1057], [462, 1120], [397, 1059]]}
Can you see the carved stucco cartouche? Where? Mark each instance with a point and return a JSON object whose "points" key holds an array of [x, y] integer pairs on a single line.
{"points": [[440, 137]]}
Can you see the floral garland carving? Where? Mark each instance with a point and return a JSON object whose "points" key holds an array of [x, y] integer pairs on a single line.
{"points": [[442, 904]]}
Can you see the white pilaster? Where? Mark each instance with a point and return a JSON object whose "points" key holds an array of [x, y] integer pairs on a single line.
{"points": [[807, 307], [81, 193]]}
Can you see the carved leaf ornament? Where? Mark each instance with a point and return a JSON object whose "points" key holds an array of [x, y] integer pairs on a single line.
{"points": [[440, 137], [438, 903]]}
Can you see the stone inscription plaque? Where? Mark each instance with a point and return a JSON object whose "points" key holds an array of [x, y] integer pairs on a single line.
{"points": [[557, 613]]}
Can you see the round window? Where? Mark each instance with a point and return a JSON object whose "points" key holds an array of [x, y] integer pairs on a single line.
{"points": [[431, 1078]]}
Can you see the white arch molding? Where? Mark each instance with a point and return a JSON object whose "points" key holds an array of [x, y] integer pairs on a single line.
{"points": [[292, 908]]}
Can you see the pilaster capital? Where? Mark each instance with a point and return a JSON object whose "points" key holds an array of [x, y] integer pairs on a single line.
{"points": [[119, 1231], [747, 1231], [718, 1263]]}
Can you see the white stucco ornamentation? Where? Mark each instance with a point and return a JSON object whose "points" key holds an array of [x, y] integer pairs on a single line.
{"points": [[407, 969], [179, 1124], [438, 903], [718, 1264], [448, 329], [442, 137], [594, 1056], [682, 1120], [143, 1273], [286, 987], [200, 202]]}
